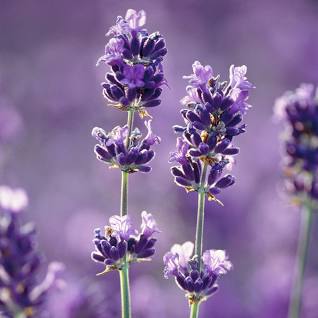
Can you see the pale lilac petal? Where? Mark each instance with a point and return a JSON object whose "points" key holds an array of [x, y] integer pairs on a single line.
{"points": [[217, 261], [184, 252], [148, 225]]}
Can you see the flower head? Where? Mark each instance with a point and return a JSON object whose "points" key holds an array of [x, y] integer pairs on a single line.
{"points": [[135, 58], [199, 282], [20, 263], [180, 155], [299, 110], [113, 150], [213, 118], [121, 241], [201, 75]]}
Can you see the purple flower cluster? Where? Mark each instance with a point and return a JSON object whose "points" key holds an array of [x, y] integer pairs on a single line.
{"points": [[213, 117], [135, 56], [112, 148], [299, 110], [121, 242], [199, 282], [20, 262]]}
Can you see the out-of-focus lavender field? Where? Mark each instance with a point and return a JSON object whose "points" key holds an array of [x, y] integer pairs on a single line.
{"points": [[50, 99]]}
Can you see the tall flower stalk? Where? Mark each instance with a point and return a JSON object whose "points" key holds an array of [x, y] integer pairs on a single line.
{"points": [[213, 117], [21, 294], [133, 85], [299, 111]]}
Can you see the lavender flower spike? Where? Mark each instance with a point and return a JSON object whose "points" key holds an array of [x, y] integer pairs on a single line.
{"points": [[135, 57], [20, 292], [299, 112], [199, 282], [121, 242], [213, 117], [133, 84]]}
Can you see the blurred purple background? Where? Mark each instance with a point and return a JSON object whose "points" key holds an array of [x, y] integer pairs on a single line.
{"points": [[50, 99]]}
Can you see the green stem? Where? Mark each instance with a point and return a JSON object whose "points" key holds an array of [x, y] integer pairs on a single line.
{"points": [[194, 310], [198, 249], [124, 193], [200, 216], [124, 272], [125, 291], [302, 253]]}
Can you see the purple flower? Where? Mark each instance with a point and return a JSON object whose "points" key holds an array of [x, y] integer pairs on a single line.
{"points": [[136, 20], [121, 226], [113, 51], [192, 97], [299, 110], [133, 76], [213, 118], [198, 283], [112, 148], [238, 78], [151, 138], [217, 261], [121, 27], [201, 75], [20, 262], [135, 58], [148, 225], [121, 242], [180, 155]]}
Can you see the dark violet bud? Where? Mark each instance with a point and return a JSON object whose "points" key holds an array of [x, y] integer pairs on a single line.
{"points": [[152, 103], [148, 47], [221, 146], [231, 151], [225, 182]]}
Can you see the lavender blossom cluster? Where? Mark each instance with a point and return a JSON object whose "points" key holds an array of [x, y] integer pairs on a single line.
{"points": [[213, 117], [135, 56], [121, 242], [21, 295], [299, 110], [112, 148], [199, 282]]}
